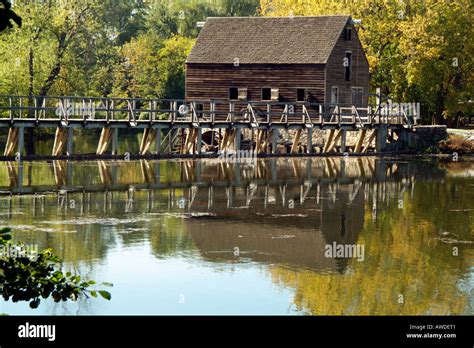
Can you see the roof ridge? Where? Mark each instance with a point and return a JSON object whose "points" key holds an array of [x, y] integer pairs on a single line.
{"points": [[277, 17]]}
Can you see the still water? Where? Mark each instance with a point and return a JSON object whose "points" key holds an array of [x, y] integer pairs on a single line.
{"points": [[213, 237]]}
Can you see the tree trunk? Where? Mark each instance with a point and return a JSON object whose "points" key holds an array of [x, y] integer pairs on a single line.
{"points": [[30, 137]]}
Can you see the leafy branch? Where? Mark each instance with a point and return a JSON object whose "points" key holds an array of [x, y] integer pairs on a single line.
{"points": [[33, 277]]}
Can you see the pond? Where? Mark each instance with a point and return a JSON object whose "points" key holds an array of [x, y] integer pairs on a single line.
{"points": [[259, 237]]}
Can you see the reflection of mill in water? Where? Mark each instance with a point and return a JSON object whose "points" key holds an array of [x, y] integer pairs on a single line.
{"points": [[284, 231], [280, 211]]}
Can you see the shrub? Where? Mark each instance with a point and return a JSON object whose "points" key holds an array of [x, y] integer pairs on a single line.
{"points": [[456, 143]]}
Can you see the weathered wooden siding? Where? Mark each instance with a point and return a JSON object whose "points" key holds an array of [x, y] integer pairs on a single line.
{"points": [[212, 81], [335, 69]]}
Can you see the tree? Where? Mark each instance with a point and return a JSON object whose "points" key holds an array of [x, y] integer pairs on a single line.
{"points": [[152, 68], [411, 47], [438, 47]]}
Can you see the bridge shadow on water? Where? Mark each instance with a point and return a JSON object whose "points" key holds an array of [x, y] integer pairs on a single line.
{"points": [[277, 211]]}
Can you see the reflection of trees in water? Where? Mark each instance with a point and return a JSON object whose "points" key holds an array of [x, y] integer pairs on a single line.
{"points": [[72, 243], [402, 256], [170, 238]]}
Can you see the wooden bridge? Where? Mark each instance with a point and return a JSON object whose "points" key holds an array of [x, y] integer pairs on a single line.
{"points": [[196, 127]]}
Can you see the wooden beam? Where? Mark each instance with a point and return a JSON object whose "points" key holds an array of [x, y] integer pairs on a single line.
{"points": [[369, 141], [104, 141], [223, 140], [12, 142], [148, 138], [184, 146], [360, 140], [60, 140], [329, 140], [192, 142], [294, 146], [228, 139], [334, 142], [262, 141]]}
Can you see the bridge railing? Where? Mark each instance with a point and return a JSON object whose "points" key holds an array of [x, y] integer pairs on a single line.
{"points": [[136, 111]]}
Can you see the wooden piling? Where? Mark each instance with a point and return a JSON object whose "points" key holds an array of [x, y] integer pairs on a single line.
{"points": [[360, 140], [296, 141], [60, 139], [148, 138], [104, 141], [12, 142], [329, 140]]}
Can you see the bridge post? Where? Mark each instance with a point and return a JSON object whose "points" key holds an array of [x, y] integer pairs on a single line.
{"points": [[158, 140], [199, 141], [115, 141], [21, 140], [12, 142], [238, 136], [343, 140], [381, 138], [310, 141], [275, 134], [70, 140]]}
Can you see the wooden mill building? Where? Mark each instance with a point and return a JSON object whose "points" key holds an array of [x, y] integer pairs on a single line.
{"points": [[278, 59]]}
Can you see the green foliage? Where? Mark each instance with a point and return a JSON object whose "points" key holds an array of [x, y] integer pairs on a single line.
{"points": [[105, 47], [27, 278], [418, 51]]}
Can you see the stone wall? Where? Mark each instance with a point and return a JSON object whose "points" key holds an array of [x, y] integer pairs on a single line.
{"points": [[425, 137]]}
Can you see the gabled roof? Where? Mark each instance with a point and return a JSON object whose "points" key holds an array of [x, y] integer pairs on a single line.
{"points": [[267, 40]]}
